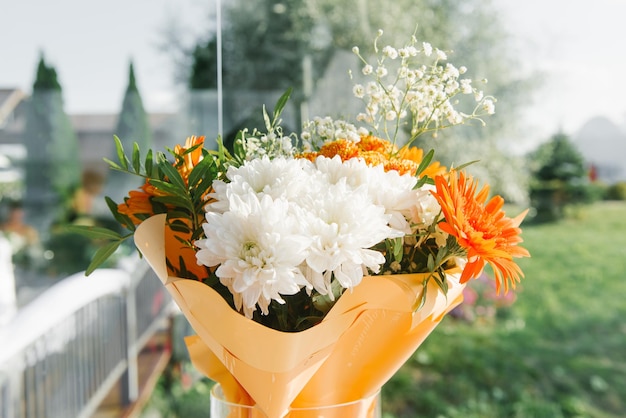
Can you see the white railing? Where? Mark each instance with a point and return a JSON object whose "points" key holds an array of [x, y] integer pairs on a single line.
{"points": [[64, 352]]}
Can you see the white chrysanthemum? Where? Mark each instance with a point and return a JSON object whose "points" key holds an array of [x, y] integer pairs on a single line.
{"points": [[280, 177], [395, 193], [258, 245], [353, 171], [346, 226], [426, 210]]}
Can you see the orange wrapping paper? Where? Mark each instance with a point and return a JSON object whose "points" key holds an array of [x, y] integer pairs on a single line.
{"points": [[364, 339]]}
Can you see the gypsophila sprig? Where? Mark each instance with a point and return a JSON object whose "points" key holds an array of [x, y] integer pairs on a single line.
{"points": [[413, 88], [272, 143]]}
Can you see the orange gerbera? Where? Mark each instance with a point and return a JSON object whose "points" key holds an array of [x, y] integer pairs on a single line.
{"points": [[482, 229]]}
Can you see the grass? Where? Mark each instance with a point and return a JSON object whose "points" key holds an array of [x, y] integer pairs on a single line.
{"points": [[558, 351]]}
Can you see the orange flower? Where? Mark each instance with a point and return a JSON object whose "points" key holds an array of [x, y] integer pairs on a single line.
{"points": [[138, 203], [191, 159], [373, 143], [416, 155], [341, 147], [483, 230], [377, 151]]}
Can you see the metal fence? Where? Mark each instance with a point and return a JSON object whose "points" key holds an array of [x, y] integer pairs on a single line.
{"points": [[64, 352]]}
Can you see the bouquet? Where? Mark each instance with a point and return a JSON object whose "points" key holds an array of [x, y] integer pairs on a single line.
{"points": [[312, 265]]}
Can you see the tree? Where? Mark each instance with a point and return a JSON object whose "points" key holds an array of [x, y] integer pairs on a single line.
{"points": [[53, 168], [132, 126], [559, 178], [267, 42]]}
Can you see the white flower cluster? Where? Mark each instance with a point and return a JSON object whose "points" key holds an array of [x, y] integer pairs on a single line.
{"points": [[278, 226], [272, 144], [318, 131], [413, 82]]}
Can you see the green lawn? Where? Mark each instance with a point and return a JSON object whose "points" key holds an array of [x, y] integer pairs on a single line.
{"points": [[558, 351]]}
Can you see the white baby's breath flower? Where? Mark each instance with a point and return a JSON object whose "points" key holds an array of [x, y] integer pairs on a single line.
{"points": [[390, 52], [359, 91], [466, 86], [367, 69], [381, 71], [404, 53], [427, 48], [489, 107]]}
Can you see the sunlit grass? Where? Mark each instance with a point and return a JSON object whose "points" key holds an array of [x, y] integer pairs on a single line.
{"points": [[560, 350]]}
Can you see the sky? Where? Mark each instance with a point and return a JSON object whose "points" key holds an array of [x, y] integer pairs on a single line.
{"points": [[573, 43]]}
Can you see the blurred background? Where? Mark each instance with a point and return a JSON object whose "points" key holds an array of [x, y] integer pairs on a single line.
{"points": [[73, 74]]}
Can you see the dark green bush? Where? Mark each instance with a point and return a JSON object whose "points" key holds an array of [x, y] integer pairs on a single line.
{"points": [[616, 191]]}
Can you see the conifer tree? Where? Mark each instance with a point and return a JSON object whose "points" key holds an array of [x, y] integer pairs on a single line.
{"points": [[132, 126], [53, 168]]}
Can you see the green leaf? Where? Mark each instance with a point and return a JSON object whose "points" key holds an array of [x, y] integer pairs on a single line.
{"points": [[419, 303], [462, 166], [268, 124], [94, 232], [398, 249], [174, 201], [177, 214], [136, 158], [122, 219], [177, 227], [422, 181], [430, 264], [280, 105], [148, 164], [201, 171], [112, 164], [102, 255], [172, 174], [169, 188], [121, 155], [425, 162]]}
